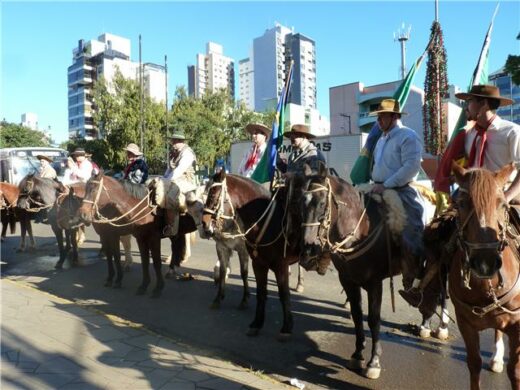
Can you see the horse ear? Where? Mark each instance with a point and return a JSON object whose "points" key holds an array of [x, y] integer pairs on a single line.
{"points": [[307, 169], [502, 175], [458, 171], [322, 169]]}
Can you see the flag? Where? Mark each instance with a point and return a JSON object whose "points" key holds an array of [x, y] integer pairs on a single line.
{"points": [[455, 149], [264, 171], [360, 172]]}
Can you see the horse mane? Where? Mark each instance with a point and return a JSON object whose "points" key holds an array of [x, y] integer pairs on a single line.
{"points": [[246, 181], [136, 190], [481, 184]]}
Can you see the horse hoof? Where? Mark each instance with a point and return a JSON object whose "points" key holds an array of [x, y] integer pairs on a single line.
{"points": [[215, 305], [283, 337], [299, 288], [496, 366], [253, 332], [425, 333], [355, 364], [442, 334], [372, 372]]}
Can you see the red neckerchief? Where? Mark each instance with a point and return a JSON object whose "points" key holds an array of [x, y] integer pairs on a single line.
{"points": [[253, 157], [482, 133], [127, 169]]}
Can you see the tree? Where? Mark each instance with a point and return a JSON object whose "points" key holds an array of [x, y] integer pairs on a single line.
{"points": [[513, 68], [13, 135]]}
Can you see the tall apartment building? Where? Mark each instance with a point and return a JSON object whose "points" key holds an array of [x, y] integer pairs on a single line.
{"points": [[272, 53], [104, 57], [246, 82], [503, 81], [212, 72]]}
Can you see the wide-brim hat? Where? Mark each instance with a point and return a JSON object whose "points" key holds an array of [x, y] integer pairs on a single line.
{"points": [[42, 157], [78, 152], [485, 91], [388, 105], [179, 135], [302, 130], [254, 127], [134, 149]]}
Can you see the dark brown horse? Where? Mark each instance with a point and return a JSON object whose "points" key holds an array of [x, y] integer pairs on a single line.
{"points": [[124, 208], [484, 278], [337, 223], [10, 214], [250, 205]]}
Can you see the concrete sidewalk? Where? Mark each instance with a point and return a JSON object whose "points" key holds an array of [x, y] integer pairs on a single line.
{"points": [[49, 343]]}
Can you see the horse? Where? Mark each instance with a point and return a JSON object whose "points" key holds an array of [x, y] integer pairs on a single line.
{"points": [[484, 277], [39, 195], [337, 223], [10, 214], [261, 219]]}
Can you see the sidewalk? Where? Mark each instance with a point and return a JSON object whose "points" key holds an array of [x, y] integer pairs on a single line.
{"points": [[49, 343]]}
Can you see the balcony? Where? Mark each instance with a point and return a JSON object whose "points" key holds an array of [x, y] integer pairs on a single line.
{"points": [[365, 120]]}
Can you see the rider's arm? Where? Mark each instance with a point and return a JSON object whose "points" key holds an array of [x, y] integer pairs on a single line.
{"points": [[185, 162]]}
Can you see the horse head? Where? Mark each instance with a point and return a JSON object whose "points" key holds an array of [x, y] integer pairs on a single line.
{"points": [[482, 217], [214, 202], [93, 192], [37, 193]]}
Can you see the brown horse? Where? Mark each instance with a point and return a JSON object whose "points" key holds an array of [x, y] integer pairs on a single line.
{"points": [[337, 223], [250, 206], [10, 214], [484, 278], [121, 208]]}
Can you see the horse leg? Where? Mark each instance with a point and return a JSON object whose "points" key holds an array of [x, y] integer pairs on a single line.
{"points": [[260, 271], [243, 257], [23, 231], [354, 297], [154, 243], [5, 223], [127, 246], [116, 251], [282, 280], [74, 244], [223, 254], [108, 248], [145, 265], [474, 360], [175, 257], [497, 360], [301, 277], [375, 296], [58, 232], [30, 232], [513, 366]]}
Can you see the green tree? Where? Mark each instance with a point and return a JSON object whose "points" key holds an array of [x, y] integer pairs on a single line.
{"points": [[13, 135], [513, 68]]}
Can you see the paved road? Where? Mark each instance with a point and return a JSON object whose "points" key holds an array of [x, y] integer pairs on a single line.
{"points": [[323, 334]]}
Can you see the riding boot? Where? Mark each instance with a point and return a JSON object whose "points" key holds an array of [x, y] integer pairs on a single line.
{"points": [[411, 282], [172, 223]]}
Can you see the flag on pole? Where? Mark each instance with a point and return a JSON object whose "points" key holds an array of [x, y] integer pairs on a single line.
{"points": [[264, 171], [360, 172], [455, 150]]}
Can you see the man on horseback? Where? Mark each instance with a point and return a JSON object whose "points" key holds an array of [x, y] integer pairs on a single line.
{"points": [[489, 142], [397, 161], [79, 168], [136, 171], [303, 151], [46, 170], [253, 155], [181, 175]]}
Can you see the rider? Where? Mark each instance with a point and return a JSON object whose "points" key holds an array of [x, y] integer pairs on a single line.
{"points": [[46, 170], [397, 161], [181, 176], [79, 168], [259, 134], [303, 151], [490, 142], [136, 171]]}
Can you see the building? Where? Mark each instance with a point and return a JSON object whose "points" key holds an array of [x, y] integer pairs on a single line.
{"points": [[212, 72], [246, 82], [504, 82], [30, 120], [104, 57], [302, 50], [297, 114]]}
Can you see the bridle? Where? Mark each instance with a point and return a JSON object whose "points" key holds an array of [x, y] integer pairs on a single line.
{"points": [[29, 186], [218, 212]]}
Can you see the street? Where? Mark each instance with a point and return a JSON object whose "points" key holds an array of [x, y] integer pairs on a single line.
{"points": [[323, 336]]}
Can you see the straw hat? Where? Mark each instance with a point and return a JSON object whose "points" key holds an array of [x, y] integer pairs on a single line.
{"points": [[254, 127], [388, 105], [134, 149], [42, 157], [485, 91], [302, 130]]}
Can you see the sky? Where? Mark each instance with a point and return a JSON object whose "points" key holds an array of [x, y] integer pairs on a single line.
{"points": [[354, 41]]}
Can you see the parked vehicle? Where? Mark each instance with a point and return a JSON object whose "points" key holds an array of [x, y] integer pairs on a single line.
{"points": [[16, 163]]}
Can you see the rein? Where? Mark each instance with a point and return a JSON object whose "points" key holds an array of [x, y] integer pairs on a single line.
{"points": [[99, 218], [41, 206]]}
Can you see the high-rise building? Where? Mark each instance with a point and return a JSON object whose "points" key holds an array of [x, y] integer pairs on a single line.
{"points": [[504, 82], [212, 72], [272, 54], [246, 82], [104, 57], [30, 120]]}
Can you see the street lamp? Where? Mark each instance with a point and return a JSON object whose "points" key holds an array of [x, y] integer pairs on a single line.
{"points": [[349, 124]]}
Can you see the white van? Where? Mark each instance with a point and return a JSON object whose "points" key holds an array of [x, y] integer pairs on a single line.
{"points": [[16, 163]]}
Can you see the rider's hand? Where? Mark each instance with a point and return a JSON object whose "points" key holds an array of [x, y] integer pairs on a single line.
{"points": [[378, 188]]}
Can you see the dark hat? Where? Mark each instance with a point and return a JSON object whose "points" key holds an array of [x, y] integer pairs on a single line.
{"points": [[42, 157], [485, 91], [78, 152], [388, 105], [254, 127], [302, 130], [178, 134]]}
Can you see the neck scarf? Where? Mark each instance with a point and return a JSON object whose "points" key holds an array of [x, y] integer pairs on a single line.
{"points": [[477, 157], [253, 158]]}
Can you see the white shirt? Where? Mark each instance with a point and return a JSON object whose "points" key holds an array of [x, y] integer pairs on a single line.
{"points": [[242, 168], [78, 173]]}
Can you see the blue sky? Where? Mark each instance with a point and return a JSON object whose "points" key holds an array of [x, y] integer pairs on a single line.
{"points": [[354, 41]]}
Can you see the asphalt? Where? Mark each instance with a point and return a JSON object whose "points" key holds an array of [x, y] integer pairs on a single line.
{"points": [[49, 342]]}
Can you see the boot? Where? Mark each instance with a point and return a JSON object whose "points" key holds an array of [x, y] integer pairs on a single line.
{"points": [[413, 296], [172, 223]]}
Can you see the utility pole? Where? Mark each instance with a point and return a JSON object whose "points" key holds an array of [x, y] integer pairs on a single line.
{"points": [[402, 36], [141, 95]]}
